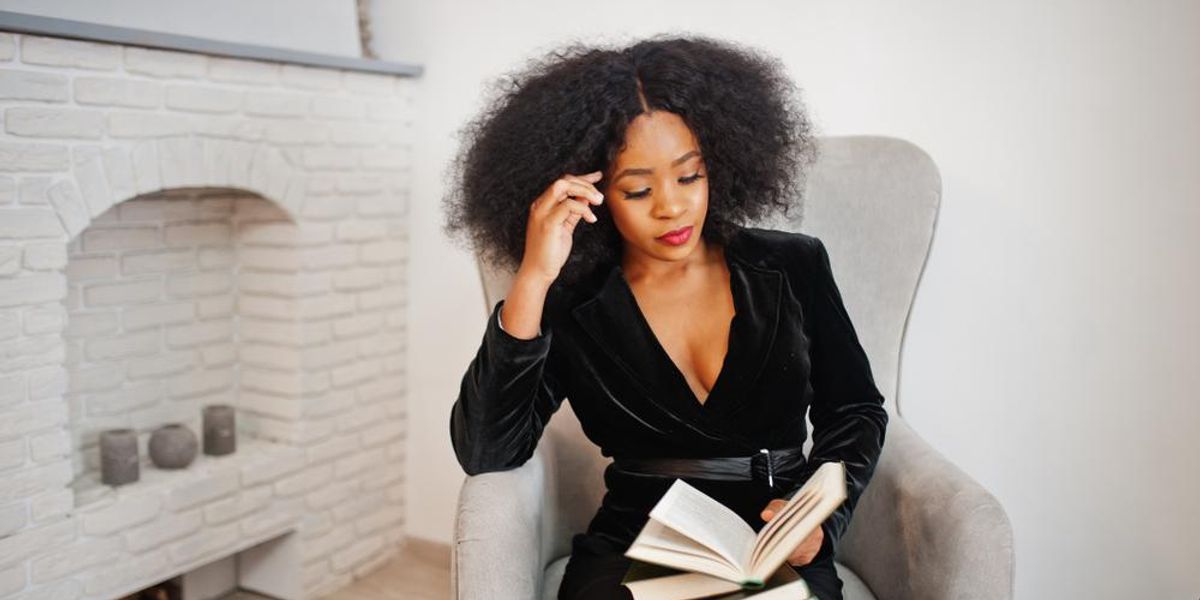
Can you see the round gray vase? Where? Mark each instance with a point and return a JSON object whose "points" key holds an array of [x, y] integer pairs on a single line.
{"points": [[173, 446], [119, 456]]}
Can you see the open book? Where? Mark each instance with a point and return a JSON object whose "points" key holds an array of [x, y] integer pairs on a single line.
{"points": [[718, 551]]}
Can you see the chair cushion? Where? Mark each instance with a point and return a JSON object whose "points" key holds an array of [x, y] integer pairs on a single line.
{"points": [[853, 588]]}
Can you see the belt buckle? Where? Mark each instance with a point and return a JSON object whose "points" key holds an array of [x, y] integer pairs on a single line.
{"points": [[765, 454]]}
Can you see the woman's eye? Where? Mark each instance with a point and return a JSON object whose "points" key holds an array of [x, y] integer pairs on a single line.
{"points": [[690, 178], [646, 192], [638, 194]]}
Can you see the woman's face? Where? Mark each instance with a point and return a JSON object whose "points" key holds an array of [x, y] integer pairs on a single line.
{"points": [[657, 184]]}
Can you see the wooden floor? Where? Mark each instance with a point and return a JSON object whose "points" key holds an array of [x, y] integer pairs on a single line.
{"points": [[420, 572]]}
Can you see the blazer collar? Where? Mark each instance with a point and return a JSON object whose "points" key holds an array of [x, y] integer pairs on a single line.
{"points": [[613, 319]]}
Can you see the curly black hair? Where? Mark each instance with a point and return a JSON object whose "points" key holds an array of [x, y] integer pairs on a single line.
{"points": [[567, 112]]}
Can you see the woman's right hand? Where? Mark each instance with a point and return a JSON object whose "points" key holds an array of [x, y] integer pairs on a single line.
{"points": [[552, 219]]}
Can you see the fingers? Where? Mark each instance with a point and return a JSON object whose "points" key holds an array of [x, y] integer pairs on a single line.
{"points": [[567, 208], [570, 186], [772, 508]]}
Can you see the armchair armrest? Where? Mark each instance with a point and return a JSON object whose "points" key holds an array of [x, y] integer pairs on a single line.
{"points": [[926, 530]]}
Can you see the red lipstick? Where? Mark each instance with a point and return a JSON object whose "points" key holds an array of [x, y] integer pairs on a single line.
{"points": [[676, 238]]}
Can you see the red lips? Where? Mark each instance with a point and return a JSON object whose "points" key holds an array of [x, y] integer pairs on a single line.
{"points": [[677, 237]]}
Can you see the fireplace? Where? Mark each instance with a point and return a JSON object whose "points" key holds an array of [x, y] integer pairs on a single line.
{"points": [[180, 229]]}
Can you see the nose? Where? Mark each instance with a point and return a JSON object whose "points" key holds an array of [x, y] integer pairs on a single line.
{"points": [[669, 206]]}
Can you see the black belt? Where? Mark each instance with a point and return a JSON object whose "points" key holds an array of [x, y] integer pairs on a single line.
{"points": [[767, 466]]}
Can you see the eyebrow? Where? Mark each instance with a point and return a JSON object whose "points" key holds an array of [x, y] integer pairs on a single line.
{"points": [[649, 171]]}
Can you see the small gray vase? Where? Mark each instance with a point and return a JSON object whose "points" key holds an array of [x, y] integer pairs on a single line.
{"points": [[173, 446]]}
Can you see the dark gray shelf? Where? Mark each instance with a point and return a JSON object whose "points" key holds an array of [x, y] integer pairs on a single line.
{"points": [[66, 28]]}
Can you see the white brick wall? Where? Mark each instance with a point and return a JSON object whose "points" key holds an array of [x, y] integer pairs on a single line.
{"points": [[178, 230]]}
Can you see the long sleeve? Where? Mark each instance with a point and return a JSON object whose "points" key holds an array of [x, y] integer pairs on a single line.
{"points": [[847, 411], [507, 396]]}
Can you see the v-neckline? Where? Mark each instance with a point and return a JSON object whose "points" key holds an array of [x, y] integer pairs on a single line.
{"points": [[665, 357]]}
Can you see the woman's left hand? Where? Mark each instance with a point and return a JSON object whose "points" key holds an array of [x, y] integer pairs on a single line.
{"points": [[808, 549]]}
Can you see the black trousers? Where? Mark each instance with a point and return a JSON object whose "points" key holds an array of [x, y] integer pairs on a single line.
{"points": [[590, 576]]}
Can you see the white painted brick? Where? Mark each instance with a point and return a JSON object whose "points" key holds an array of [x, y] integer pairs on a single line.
{"points": [[198, 234], [383, 252], [277, 104], [46, 257], [238, 70], [93, 185], [8, 190], [115, 91], [121, 238], [328, 355], [204, 283], [196, 334], [30, 352], [201, 383], [356, 134], [91, 267], [52, 505], [258, 330], [65, 199], [201, 490], [270, 468], [362, 416], [165, 63], [388, 297], [181, 161], [128, 292], [362, 278], [54, 122], [385, 517], [141, 317], [282, 517], [158, 261], [48, 287], [359, 462], [30, 482], [160, 365], [303, 481], [331, 449], [388, 109], [284, 234], [82, 325], [381, 433], [322, 546], [361, 231], [204, 544], [335, 402], [215, 307], [33, 190], [13, 517], [281, 383], [8, 46], [204, 99], [270, 258], [328, 257], [287, 133], [118, 169], [69, 53], [13, 454], [104, 583], [146, 177], [219, 355], [394, 158], [120, 516], [147, 125], [270, 356], [32, 542], [334, 159], [125, 400], [337, 107], [369, 83], [12, 389], [272, 405], [284, 284], [22, 156], [216, 258], [166, 529], [96, 378], [229, 509], [49, 446], [354, 373], [357, 325], [75, 558], [10, 261], [316, 78], [137, 344], [47, 318], [47, 383], [33, 85]]}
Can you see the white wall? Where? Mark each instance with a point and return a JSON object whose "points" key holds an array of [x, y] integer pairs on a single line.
{"points": [[324, 26], [1052, 349]]}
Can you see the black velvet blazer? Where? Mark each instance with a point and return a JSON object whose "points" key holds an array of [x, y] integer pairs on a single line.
{"points": [[792, 348]]}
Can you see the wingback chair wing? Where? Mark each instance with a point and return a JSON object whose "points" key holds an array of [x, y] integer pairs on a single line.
{"points": [[923, 529]]}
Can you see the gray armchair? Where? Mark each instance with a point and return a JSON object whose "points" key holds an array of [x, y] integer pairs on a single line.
{"points": [[923, 529]]}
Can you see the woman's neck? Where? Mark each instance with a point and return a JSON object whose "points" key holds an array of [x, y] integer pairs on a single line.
{"points": [[649, 271]]}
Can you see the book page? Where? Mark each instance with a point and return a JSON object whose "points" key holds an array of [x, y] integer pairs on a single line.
{"points": [[829, 493], [680, 587], [694, 514], [662, 545]]}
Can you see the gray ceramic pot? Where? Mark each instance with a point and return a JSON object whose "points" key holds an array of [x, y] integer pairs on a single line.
{"points": [[173, 446], [118, 456]]}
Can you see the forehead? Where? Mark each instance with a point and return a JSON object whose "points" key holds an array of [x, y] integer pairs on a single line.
{"points": [[656, 137]]}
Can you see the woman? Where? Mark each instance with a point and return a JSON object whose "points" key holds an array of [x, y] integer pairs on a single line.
{"points": [[688, 344]]}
